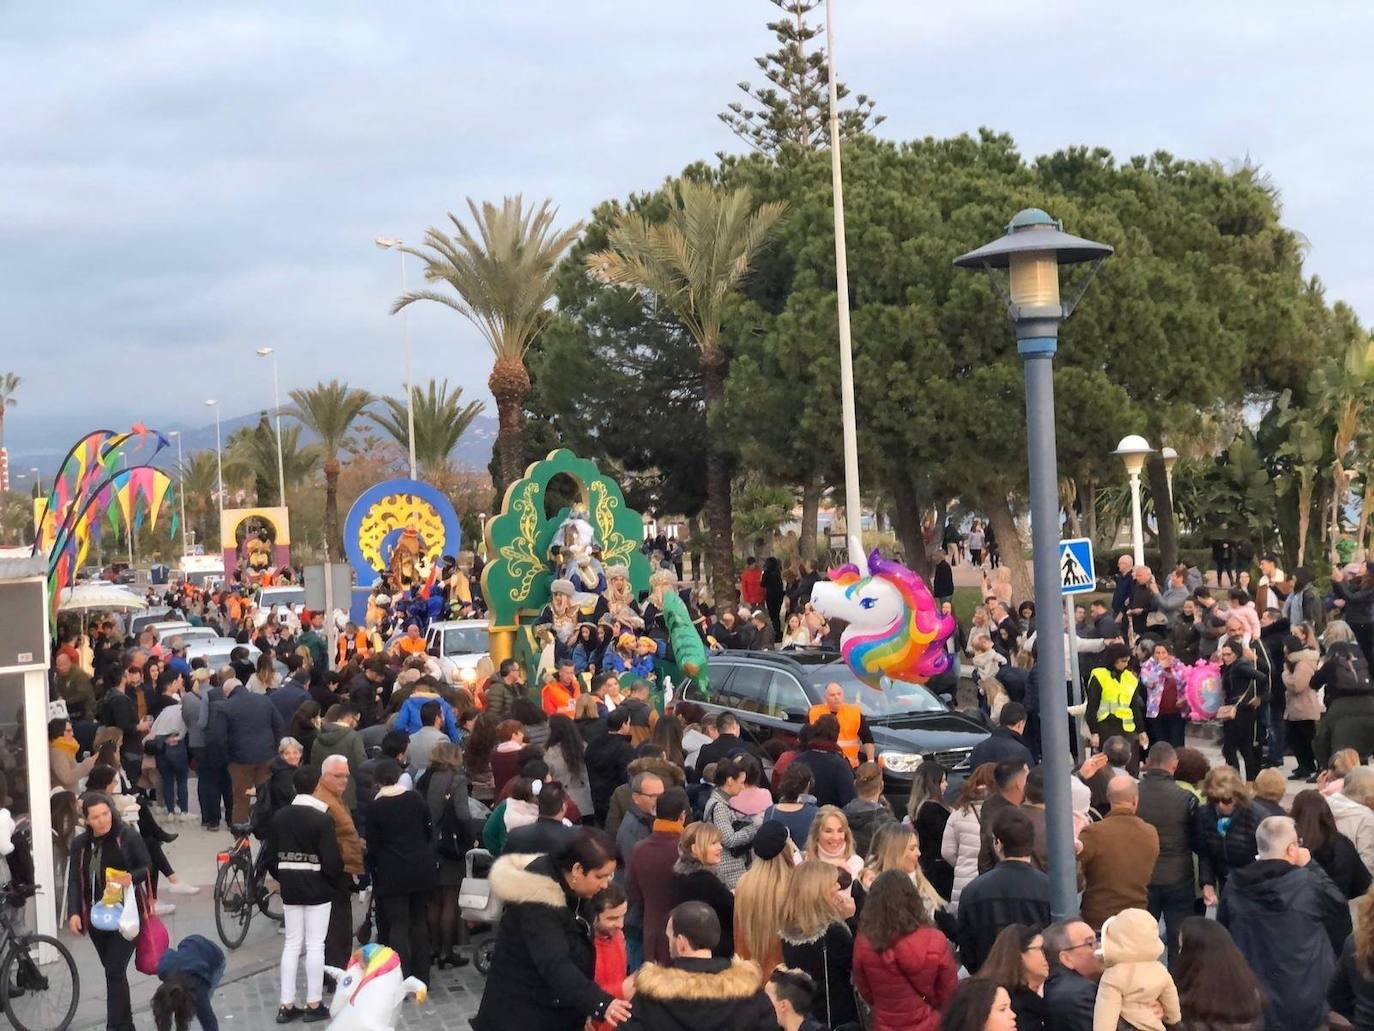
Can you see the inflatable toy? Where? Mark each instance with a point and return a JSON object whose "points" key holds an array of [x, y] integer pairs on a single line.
{"points": [[1203, 690], [369, 993], [895, 629]]}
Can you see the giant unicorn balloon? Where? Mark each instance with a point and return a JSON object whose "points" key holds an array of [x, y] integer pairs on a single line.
{"points": [[370, 992], [895, 629]]}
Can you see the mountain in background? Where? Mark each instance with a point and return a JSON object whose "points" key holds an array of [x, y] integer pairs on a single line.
{"points": [[473, 450]]}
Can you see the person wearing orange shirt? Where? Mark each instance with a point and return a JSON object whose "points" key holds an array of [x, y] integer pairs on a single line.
{"points": [[412, 643], [854, 733], [354, 643], [560, 694]]}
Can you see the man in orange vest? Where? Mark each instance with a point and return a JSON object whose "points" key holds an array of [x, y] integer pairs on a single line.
{"points": [[560, 694], [854, 733], [413, 643]]}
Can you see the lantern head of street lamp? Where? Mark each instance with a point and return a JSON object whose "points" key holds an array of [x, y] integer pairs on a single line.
{"points": [[211, 404], [388, 242], [1132, 451], [1169, 457], [263, 352], [1034, 247]]}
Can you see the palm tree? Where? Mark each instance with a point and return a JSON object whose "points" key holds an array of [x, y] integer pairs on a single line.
{"points": [[502, 280], [251, 453], [9, 385], [441, 419], [692, 262], [199, 474], [330, 410]]}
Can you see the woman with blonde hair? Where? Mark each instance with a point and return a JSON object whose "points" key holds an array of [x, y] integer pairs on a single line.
{"points": [[963, 831], [896, 847], [1226, 825], [816, 939], [699, 851], [831, 841], [760, 896]]}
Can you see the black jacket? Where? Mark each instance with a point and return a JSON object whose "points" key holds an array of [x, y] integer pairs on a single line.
{"points": [[864, 820], [1242, 683], [121, 848], [942, 580], [1172, 812], [253, 725], [1352, 993], [118, 709], [692, 882], [1000, 744], [607, 759], [1359, 602], [1347, 723], [400, 843], [544, 959], [1219, 855], [833, 775], [1277, 914], [717, 994], [721, 748], [302, 853], [1070, 998], [1011, 892], [541, 837], [829, 959], [1344, 866]]}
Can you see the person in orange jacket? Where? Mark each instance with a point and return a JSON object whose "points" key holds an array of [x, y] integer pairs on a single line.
{"points": [[560, 694]]}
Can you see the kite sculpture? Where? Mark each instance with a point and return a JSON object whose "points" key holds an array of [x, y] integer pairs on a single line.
{"points": [[895, 629], [90, 489]]}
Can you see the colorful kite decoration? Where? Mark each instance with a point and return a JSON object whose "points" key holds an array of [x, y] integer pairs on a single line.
{"points": [[92, 487]]}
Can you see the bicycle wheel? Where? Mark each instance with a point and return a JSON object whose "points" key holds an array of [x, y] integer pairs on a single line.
{"points": [[269, 901], [39, 995], [234, 901]]}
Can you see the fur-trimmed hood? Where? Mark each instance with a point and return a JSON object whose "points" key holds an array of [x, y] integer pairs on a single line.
{"points": [[670, 773], [699, 980], [514, 881]]}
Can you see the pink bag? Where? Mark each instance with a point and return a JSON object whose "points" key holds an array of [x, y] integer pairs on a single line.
{"points": [[152, 942]]}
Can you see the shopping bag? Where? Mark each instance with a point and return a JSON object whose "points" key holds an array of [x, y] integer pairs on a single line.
{"points": [[153, 941], [105, 913], [128, 921]]}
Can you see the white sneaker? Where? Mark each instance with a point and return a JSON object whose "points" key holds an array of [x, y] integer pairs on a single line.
{"points": [[182, 888], [164, 909]]}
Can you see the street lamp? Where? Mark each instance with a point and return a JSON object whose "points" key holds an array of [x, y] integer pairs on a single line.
{"points": [[219, 460], [1034, 247], [267, 352], [386, 243], [37, 479], [181, 490], [1169, 456], [1133, 451]]}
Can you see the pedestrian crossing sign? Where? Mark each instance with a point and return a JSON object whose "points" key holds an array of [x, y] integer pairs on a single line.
{"points": [[1076, 566]]}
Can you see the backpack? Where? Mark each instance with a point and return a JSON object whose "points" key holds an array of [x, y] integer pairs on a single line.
{"points": [[452, 836], [1349, 671]]}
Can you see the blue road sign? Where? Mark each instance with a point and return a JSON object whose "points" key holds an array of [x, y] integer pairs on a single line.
{"points": [[1076, 566]]}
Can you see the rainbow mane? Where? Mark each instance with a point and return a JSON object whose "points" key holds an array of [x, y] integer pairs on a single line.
{"points": [[375, 960], [912, 647]]}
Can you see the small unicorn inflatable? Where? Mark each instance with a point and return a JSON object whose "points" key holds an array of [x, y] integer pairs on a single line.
{"points": [[1202, 688], [895, 629], [368, 995]]}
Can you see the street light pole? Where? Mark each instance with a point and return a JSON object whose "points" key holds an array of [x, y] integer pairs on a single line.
{"points": [[1032, 250], [387, 243], [853, 504], [37, 479], [181, 491], [219, 460], [265, 352], [1132, 451]]}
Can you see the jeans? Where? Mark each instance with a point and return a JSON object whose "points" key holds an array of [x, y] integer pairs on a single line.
{"points": [[212, 786], [306, 927], [243, 776], [115, 953], [1278, 736], [1173, 902], [407, 930], [174, 766]]}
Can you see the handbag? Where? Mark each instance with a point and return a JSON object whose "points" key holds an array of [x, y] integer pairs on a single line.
{"points": [[1226, 712], [129, 924], [152, 942]]}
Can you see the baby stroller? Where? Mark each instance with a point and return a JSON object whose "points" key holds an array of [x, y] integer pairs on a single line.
{"points": [[477, 903]]}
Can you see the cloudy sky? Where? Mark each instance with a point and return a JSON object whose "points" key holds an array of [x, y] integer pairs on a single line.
{"points": [[183, 183]]}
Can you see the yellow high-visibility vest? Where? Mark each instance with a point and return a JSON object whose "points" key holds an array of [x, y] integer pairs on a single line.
{"points": [[1117, 693]]}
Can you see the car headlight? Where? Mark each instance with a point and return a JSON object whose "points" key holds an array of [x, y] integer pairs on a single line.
{"points": [[468, 675], [902, 762]]}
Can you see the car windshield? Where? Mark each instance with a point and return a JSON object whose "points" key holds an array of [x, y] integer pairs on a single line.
{"points": [[896, 697], [465, 641], [283, 596]]}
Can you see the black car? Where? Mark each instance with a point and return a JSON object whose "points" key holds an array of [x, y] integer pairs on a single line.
{"points": [[771, 694]]}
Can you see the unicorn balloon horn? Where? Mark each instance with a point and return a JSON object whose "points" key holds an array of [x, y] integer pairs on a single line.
{"points": [[895, 629]]}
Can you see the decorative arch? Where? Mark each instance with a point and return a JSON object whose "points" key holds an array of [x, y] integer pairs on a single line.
{"points": [[379, 517], [236, 525]]}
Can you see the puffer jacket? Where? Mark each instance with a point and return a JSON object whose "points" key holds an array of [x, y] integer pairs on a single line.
{"points": [[1131, 948], [1355, 821], [908, 983], [1221, 853], [544, 963], [963, 837], [1303, 703]]}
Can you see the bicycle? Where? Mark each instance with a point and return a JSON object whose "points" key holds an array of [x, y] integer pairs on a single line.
{"points": [[240, 888], [38, 991]]}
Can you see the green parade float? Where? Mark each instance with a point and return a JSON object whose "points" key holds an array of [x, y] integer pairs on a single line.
{"points": [[528, 550]]}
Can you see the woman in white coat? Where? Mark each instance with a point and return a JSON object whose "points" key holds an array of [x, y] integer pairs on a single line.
{"points": [[964, 830]]}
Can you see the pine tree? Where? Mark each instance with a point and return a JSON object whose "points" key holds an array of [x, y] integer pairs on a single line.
{"points": [[794, 110]]}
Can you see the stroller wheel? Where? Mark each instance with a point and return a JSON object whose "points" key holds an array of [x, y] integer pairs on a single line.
{"points": [[481, 957]]}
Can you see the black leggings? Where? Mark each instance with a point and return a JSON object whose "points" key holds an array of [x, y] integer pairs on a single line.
{"points": [[1300, 736], [1238, 736], [115, 952]]}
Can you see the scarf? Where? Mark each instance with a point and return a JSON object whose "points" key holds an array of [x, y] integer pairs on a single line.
{"points": [[63, 745], [675, 826], [840, 857]]}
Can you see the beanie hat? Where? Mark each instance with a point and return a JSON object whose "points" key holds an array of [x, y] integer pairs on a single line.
{"points": [[771, 839]]}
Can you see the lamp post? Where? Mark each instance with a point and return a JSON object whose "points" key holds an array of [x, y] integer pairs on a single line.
{"points": [[37, 479], [1133, 450], [219, 460], [268, 352], [181, 491], [1034, 247], [1169, 457], [387, 243]]}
